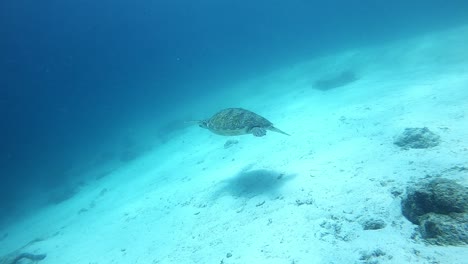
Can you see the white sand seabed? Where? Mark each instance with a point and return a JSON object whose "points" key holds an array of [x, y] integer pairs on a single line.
{"points": [[193, 201]]}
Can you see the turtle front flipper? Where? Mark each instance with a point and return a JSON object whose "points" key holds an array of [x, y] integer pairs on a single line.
{"points": [[272, 128], [258, 131]]}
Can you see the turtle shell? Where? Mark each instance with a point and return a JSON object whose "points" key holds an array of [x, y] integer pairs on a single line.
{"points": [[235, 121]]}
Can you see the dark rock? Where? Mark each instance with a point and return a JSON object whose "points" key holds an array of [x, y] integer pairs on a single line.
{"points": [[373, 224], [442, 229], [418, 138], [440, 196], [440, 208]]}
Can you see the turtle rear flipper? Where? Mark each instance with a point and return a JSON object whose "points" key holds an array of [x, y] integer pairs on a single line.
{"points": [[272, 128], [258, 131]]}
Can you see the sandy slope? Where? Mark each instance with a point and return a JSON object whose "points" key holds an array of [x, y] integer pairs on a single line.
{"points": [[278, 199]]}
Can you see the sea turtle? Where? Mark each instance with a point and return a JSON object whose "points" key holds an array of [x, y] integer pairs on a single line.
{"points": [[238, 121]]}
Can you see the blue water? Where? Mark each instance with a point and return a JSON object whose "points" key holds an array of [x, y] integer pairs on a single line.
{"points": [[76, 74]]}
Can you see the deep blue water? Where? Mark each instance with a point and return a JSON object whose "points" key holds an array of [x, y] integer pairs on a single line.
{"points": [[74, 74]]}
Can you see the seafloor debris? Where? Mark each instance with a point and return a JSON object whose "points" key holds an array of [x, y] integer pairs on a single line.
{"points": [[440, 208], [229, 143], [373, 256], [308, 201], [418, 138], [336, 228], [373, 224]]}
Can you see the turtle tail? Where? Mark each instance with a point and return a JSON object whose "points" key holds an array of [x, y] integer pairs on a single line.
{"points": [[192, 122], [272, 128]]}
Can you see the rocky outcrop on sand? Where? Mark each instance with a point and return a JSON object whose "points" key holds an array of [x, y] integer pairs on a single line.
{"points": [[440, 208], [417, 138]]}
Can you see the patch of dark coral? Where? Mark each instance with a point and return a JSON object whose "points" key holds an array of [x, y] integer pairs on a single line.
{"points": [[417, 138], [440, 208]]}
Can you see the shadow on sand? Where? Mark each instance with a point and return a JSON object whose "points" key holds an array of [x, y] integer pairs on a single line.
{"points": [[249, 183], [334, 81]]}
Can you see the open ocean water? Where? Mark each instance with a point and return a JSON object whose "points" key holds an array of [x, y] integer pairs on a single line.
{"points": [[89, 87]]}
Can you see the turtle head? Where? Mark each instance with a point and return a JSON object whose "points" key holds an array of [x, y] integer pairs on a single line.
{"points": [[203, 123]]}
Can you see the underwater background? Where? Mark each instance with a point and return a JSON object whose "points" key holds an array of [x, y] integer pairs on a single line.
{"points": [[97, 84], [77, 75]]}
